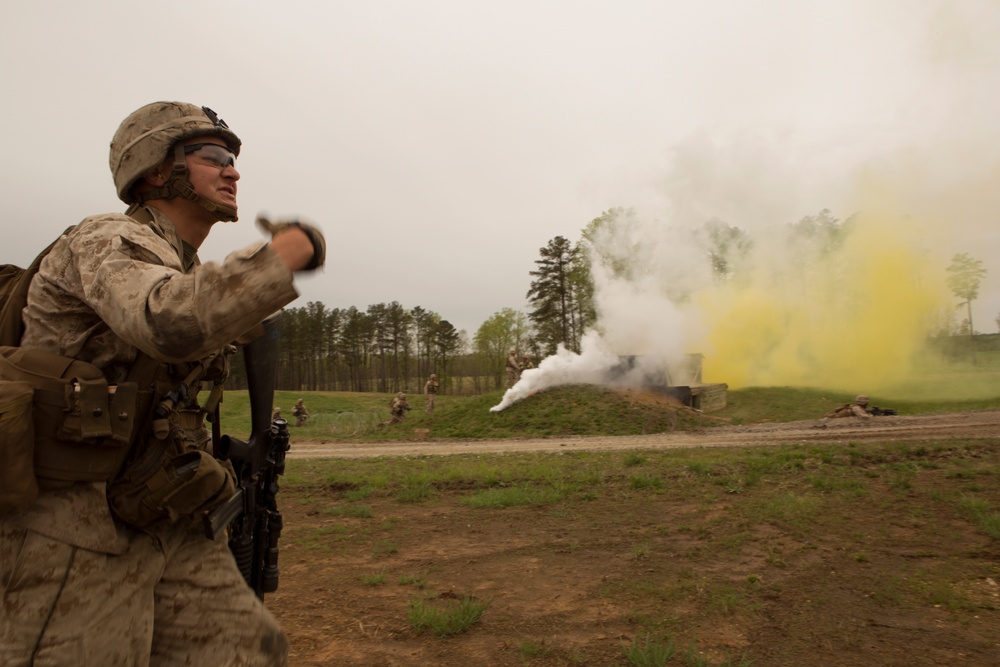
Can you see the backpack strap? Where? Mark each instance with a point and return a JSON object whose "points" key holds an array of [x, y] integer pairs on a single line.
{"points": [[11, 324]]}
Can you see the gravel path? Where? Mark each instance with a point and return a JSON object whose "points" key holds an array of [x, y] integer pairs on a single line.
{"points": [[977, 424]]}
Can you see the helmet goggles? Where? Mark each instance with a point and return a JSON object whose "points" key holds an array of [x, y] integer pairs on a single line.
{"points": [[212, 154]]}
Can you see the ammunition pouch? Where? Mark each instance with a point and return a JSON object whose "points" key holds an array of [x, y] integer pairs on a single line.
{"points": [[18, 486], [80, 428], [161, 485]]}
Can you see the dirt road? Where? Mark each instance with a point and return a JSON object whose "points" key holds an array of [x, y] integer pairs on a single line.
{"points": [[978, 424]]}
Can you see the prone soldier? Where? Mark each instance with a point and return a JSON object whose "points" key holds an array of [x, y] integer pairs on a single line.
{"points": [[855, 409]]}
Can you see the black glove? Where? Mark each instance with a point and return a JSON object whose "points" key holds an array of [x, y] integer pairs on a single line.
{"points": [[315, 236]]}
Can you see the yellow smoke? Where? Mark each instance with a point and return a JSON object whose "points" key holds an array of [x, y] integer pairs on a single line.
{"points": [[853, 319]]}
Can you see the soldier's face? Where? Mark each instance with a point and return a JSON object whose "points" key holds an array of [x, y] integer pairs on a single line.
{"points": [[210, 176]]}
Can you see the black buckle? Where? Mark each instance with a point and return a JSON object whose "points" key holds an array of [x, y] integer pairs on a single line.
{"points": [[214, 117]]}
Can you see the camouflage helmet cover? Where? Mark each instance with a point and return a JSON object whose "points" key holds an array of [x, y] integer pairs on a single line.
{"points": [[145, 137], [861, 400]]}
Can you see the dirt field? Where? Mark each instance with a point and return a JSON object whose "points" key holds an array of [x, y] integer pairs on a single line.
{"points": [[569, 586]]}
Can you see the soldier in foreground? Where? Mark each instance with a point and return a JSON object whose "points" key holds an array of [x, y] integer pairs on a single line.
{"points": [[112, 567], [431, 390]]}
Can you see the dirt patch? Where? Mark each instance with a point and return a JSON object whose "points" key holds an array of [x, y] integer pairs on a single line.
{"points": [[572, 584]]}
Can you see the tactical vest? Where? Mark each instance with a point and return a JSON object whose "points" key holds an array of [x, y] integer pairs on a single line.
{"points": [[60, 421]]}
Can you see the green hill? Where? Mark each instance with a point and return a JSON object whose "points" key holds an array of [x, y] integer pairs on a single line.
{"points": [[577, 410]]}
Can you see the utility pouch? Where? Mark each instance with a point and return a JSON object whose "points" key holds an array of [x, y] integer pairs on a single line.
{"points": [[161, 486], [18, 485], [81, 429]]}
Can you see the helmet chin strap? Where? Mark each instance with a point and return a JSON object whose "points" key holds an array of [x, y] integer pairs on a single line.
{"points": [[178, 185]]}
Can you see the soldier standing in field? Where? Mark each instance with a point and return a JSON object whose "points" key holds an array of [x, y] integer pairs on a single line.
{"points": [[109, 565], [513, 369], [299, 412], [430, 391]]}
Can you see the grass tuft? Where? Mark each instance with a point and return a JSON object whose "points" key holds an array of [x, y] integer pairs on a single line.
{"points": [[445, 619]]}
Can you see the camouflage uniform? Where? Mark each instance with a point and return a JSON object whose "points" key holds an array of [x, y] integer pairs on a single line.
{"points": [[430, 391], [79, 585], [513, 370], [855, 409], [397, 409], [300, 413]]}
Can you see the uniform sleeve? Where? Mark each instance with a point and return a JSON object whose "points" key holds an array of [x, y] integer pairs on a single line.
{"points": [[133, 279]]}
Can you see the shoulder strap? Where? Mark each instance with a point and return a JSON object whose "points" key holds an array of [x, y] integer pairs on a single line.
{"points": [[11, 324]]}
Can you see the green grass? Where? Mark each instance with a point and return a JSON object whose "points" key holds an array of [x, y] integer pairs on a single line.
{"points": [[582, 410], [803, 495], [650, 652], [445, 618], [797, 490]]}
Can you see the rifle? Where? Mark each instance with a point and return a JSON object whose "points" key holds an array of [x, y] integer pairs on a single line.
{"points": [[252, 514], [877, 411]]}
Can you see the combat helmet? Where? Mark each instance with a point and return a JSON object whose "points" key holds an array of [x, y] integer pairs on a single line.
{"points": [[144, 140], [861, 400]]}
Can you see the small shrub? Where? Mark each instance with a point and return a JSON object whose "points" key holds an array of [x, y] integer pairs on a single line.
{"points": [[649, 653], [641, 551], [384, 548], [373, 579], [414, 580], [447, 620], [634, 459]]}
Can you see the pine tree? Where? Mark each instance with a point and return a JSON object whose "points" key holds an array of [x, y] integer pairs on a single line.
{"points": [[553, 298]]}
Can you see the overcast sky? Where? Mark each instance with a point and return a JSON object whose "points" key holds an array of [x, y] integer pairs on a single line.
{"points": [[439, 144]]}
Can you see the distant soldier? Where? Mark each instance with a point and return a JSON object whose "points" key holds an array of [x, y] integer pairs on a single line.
{"points": [[855, 409], [276, 414], [430, 390], [300, 413], [397, 409], [526, 363], [513, 369]]}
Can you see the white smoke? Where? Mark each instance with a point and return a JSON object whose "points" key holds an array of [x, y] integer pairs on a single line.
{"points": [[916, 159], [643, 347], [592, 366]]}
